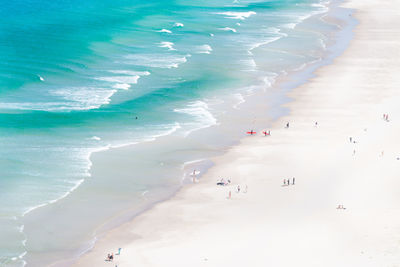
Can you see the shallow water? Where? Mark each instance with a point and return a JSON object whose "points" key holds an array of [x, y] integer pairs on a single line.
{"points": [[83, 77]]}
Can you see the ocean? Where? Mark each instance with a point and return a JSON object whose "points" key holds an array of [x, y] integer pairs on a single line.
{"points": [[106, 107]]}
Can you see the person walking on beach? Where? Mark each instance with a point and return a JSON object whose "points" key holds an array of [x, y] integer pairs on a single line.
{"points": [[287, 125], [229, 195], [293, 181], [194, 176], [351, 139], [119, 251], [238, 188], [284, 181]]}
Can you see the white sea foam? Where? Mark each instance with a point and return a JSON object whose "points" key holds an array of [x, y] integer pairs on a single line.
{"points": [[211, 34], [274, 30], [270, 79], [203, 49], [130, 72], [190, 163], [256, 45], [82, 98], [289, 25], [164, 130], [75, 185], [120, 79], [304, 65], [227, 29], [170, 129], [323, 45], [70, 98], [238, 24], [33, 208], [95, 138], [168, 45], [237, 15], [322, 7], [165, 31], [156, 61], [178, 24], [123, 82], [250, 64], [240, 99], [20, 256], [202, 117], [123, 86], [271, 30], [41, 78]]}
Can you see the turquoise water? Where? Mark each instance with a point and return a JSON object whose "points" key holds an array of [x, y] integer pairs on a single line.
{"points": [[83, 76]]}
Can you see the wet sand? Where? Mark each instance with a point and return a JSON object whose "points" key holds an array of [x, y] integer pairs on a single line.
{"points": [[295, 225]]}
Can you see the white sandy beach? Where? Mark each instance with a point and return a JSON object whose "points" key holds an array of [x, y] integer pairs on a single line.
{"points": [[295, 225]]}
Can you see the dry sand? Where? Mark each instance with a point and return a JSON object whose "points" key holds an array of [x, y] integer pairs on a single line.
{"points": [[296, 225]]}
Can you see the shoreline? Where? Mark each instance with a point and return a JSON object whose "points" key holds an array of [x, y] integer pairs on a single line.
{"points": [[130, 211], [205, 188], [161, 237], [286, 82]]}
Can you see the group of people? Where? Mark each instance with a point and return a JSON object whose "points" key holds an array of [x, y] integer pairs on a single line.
{"points": [[237, 191], [287, 181], [110, 257]]}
